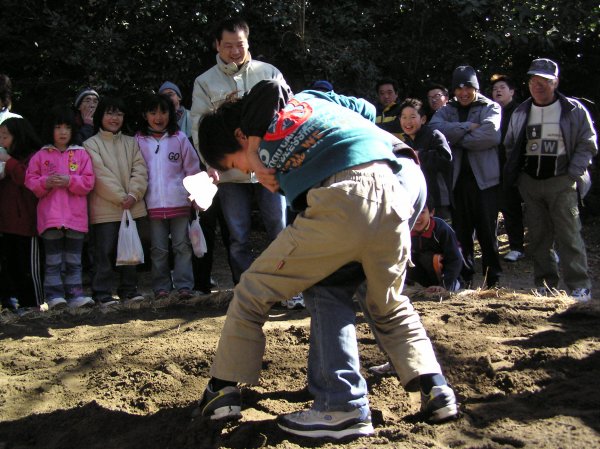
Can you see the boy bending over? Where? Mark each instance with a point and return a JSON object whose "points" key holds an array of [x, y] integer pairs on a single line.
{"points": [[332, 163]]}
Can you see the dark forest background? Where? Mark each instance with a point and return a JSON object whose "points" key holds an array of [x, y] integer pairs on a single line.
{"points": [[51, 49]]}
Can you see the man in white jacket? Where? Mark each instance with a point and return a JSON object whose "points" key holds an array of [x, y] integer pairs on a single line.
{"points": [[234, 74]]}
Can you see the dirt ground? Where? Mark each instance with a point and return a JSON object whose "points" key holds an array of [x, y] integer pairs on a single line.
{"points": [[525, 370]]}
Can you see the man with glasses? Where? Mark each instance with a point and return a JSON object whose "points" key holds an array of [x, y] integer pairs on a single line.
{"points": [[549, 145], [437, 97]]}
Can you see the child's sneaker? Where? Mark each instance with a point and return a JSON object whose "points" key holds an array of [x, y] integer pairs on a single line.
{"points": [[295, 303], [581, 294], [133, 297], [315, 424], [513, 255], [384, 369], [185, 293], [225, 403], [440, 405], [80, 301], [161, 294], [56, 303]]}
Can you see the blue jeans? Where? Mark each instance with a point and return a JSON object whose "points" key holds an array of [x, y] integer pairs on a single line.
{"points": [[183, 276], [334, 377], [236, 203]]}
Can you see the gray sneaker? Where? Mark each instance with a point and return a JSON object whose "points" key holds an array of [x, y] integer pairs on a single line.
{"points": [[56, 303], [440, 405], [80, 301], [315, 424], [224, 404]]}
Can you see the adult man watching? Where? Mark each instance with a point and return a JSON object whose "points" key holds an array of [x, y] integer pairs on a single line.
{"points": [[235, 74], [549, 144], [471, 123], [388, 108], [437, 97], [510, 202]]}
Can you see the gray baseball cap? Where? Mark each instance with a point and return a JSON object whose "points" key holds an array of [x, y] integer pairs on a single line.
{"points": [[544, 67]]}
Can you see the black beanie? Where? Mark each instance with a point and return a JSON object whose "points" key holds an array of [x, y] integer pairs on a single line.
{"points": [[463, 76]]}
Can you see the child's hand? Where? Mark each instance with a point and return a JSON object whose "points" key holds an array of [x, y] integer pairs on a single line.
{"points": [[213, 174], [57, 181], [266, 176], [128, 202], [4, 157], [436, 290]]}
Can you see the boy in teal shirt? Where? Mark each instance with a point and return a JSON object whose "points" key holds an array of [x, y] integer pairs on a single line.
{"points": [[338, 169]]}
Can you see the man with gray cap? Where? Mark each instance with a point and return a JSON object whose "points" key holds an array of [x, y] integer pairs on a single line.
{"points": [[471, 124], [549, 144]]}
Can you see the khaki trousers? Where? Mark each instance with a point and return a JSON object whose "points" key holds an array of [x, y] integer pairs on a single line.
{"points": [[357, 215]]}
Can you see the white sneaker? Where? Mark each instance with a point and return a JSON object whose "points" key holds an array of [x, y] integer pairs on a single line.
{"points": [[297, 302], [513, 255], [56, 303], [384, 369], [581, 294], [80, 301], [316, 424]]}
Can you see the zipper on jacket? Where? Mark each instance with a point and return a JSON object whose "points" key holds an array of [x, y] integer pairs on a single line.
{"points": [[157, 148]]}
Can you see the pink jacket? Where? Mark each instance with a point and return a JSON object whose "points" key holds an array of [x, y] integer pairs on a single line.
{"points": [[61, 207]]}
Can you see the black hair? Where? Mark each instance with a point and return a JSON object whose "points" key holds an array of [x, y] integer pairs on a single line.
{"points": [[233, 25], [216, 134], [153, 102], [414, 103], [383, 81], [441, 87], [59, 115], [497, 77], [107, 104], [5, 91], [25, 139]]}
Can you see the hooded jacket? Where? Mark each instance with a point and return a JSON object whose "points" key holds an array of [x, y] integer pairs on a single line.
{"points": [[61, 207], [120, 171], [479, 145], [169, 159]]}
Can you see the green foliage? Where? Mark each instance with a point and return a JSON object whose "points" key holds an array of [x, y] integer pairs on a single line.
{"points": [[52, 48]]}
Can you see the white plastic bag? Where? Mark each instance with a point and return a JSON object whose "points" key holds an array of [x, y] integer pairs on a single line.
{"points": [[129, 248], [197, 237]]}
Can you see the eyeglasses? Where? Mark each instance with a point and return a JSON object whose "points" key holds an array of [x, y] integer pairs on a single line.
{"points": [[436, 96], [115, 114], [539, 81]]}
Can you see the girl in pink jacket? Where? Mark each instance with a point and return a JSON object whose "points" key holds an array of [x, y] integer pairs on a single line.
{"points": [[61, 176]]}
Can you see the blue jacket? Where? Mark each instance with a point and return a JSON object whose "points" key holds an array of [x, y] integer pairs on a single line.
{"points": [[480, 145]]}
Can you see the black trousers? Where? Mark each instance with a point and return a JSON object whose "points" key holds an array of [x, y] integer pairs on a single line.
{"points": [[475, 214]]}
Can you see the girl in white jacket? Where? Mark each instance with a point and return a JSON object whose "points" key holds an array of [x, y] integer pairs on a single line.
{"points": [[170, 157]]}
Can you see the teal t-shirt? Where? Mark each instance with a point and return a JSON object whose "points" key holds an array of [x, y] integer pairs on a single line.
{"points": [[316, 135]]}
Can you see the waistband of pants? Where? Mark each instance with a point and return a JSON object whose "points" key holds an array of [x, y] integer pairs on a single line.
{"points": [[378, 169]]}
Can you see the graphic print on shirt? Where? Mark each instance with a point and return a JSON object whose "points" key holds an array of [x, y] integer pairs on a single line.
{"points": [[545, 153], [296, 135]]}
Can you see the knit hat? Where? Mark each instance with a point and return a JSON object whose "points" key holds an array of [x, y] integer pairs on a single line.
{"points": [[322, 85], [169, 85], [545, 68], [464, 76], [84, 93]]}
